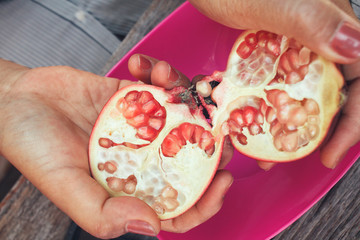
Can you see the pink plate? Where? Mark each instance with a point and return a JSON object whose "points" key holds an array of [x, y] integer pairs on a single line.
{"points": [[269, 201]]}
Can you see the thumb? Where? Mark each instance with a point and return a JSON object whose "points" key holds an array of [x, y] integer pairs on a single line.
{"points": [[120, 215], [320, 25]]}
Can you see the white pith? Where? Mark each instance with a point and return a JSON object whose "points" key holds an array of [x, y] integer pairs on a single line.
{"points": [[153, 171]]}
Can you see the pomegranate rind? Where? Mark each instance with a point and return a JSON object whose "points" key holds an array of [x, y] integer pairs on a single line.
{"points": [[189, 172]]}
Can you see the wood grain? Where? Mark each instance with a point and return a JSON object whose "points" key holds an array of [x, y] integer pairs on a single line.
{"points": [[27, 214]]}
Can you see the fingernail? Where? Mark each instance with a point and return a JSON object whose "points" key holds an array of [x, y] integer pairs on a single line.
{"points": [[346, 41], [144, 63], [173, 75], [140, 227]]}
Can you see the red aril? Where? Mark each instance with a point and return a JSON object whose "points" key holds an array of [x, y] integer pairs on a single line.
{"points": [[276, 100]]}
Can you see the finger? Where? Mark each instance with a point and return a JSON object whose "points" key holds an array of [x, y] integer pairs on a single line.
{"points": [[140, 66], [206, 207], [351, 71], [90, 206], [227, 153], [347, 131], [168, 77], [320, 25], [159, 73], [265, 165]]}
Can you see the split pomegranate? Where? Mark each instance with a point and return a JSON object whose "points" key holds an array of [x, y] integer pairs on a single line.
{"points": [[276, 99]]}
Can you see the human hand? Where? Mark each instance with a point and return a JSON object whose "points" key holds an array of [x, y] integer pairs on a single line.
{"points": [[329, 28], [47, 115]]}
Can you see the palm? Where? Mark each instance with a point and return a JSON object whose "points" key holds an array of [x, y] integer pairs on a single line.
{"points": [[50, 114]]}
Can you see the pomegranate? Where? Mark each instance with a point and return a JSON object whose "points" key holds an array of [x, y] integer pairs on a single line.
{"points": [[276, 99]]}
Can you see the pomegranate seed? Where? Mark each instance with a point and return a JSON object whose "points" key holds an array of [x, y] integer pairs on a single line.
{"points": [[237, 116], [101, 166], [313, 130], [198, 131], [283, 113], [244, 51], [132, 110], [298, 116], [273, 47], [156, 123], [177, 133], [115, 184], [292, 78], [251, 40], [187, 131], [313, 120], [255, 129], [270, 115], [282, 98], [275, 127], [304, 137], [130, 187], [170, 204], [130, 184], [147, 133], [278, 141], [234, 127], [293, 56], [289, 141], [145, 97], [131, 96], [170, 146], [207, 141], [161, 112], [203, 88], [138, 121], [263, 107], [105, 142], [110, 167], [158, 208], [210, 151], [121, 105], [311, 106], [271, 95], [242, 139], [169, 192], [303, 70], [284, 64], [150, 107], [262, 37], [249, 115], [259, 118]]}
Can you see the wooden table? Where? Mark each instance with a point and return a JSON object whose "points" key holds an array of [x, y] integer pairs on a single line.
{"points": [[27, 214]]}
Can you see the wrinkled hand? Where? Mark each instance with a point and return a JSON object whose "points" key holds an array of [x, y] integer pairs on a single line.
{"points": [[47, 115], [329, 28]]}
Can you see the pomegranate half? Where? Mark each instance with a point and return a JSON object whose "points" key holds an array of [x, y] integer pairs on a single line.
{"points": [[276, 99]]}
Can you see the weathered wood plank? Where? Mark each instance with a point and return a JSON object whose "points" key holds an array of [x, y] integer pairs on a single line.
{"points": [[25, 213], [157, 11]]}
